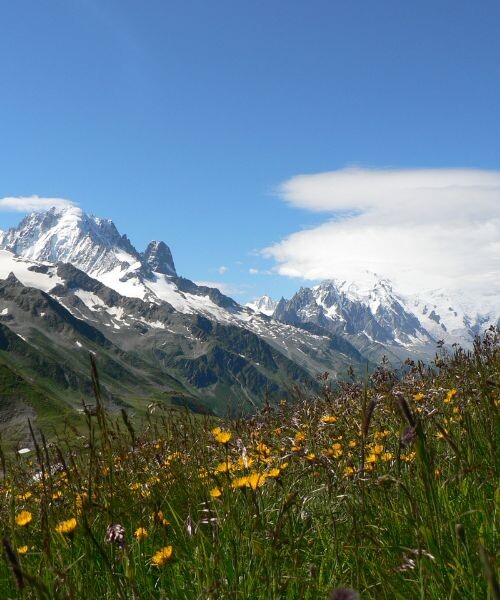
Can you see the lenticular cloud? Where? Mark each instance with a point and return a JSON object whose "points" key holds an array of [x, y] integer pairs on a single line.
{"points": [[32, 203], [422, 228]]}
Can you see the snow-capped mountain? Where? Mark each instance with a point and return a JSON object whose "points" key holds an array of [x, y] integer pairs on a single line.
{"points": [[370, 315], [95, 246], [264, 304], [372, 310], [70, 235]]}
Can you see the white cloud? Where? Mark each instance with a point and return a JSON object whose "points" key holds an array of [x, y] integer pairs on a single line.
{"points": [[253, 271], [422, 228], [222, 269], [31, 203]]}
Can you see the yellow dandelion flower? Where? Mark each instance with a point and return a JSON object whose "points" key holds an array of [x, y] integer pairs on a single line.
{"points": [[300, 436], [449, 396], [329, 419], [162, 556], [223, 467], [215, 492], [274, 473], [23, 518], [256, 480], [140, 533], [243, 463], [221, 436], [349, 472], [372, 458], [25, 496], [378, 449], [80, 501], [335, 451], [263, 450], [22, 549], [418, 397], [66, 527], [353, 444], [311, 457], [387, 456], [240, 482], [408, 457]]}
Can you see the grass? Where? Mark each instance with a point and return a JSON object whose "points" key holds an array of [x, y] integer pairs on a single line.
{"points": [[387, 486]]}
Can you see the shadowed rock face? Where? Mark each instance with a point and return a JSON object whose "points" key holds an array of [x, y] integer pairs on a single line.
{"points": [[159, 258]]}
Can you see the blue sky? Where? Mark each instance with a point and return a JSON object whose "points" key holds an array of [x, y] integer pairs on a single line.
{"points": [[181, 120]]}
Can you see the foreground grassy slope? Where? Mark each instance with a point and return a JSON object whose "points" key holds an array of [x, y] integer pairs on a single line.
{"points": [[386, 486]]}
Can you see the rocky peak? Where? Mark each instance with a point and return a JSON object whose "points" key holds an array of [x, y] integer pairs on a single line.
{"points": [[264, 304], [158, 258]]}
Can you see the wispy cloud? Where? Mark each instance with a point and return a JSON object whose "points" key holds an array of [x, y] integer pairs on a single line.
{"points": [[422, 228], [222, 269], [32, 203]]}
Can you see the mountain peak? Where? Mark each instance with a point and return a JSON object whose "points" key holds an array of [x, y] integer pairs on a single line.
{"points": [[159, 258], [264, 304], [68, 234]]}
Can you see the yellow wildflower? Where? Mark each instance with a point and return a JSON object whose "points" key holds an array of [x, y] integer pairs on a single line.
{"points": [[240, 482], [378, 449], [24, 496], [22, 549], [328, 419], [408, 457], [299, 437], [220, 435], [256, 480], [335, 451], [418, 397], [311, 457], [162, 556], [140, 533], [80, 501], [275, 472], [66, 527], [263, 450], [349, 472], [387, 456], [215, 492], [223, 467], [23, 518], [449, 395]]}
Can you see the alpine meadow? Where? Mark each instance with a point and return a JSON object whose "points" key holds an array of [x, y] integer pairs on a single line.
{"points": [[249, 300]]}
